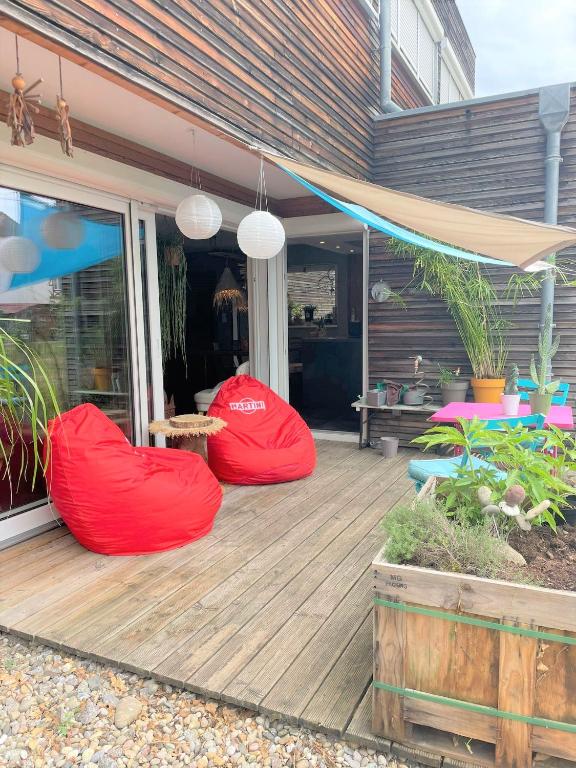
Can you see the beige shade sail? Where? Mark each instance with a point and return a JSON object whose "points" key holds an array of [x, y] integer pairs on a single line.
{"points": [[505, 238]]}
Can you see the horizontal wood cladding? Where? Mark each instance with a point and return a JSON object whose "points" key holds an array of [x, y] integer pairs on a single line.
{"points": [[488, 156], [301, 76], [456, 32]]}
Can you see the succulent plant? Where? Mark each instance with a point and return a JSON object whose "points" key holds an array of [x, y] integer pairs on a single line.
{"points": [[547, 348], [511, 387]]}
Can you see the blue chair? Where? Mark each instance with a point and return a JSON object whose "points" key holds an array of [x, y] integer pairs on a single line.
{"points": [[420, 470], [525, 386]]}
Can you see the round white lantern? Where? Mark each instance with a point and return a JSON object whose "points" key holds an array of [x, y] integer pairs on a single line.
{"points": [[18, 254], [198, 217], [5, 280], [63, 231], [260, 235]]}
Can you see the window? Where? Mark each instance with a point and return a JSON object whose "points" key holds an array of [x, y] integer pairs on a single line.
{"points": [[63, 271]]}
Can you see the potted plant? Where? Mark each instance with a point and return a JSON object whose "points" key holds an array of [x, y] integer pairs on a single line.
{"points": [[541, 399], [511, 398], [309, 310], [452, 386], [462, 623], [473, 304]]}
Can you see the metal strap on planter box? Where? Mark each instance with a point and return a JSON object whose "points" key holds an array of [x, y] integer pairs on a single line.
{"points": [[461, 619], [481, 709], [467, 705]]}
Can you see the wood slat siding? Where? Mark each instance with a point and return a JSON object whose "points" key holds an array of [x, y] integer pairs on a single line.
{"points": [[456, 32], [488, 156], [300, 76]]}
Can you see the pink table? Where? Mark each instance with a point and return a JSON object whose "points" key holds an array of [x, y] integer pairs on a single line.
{"points": [[560, 415]]}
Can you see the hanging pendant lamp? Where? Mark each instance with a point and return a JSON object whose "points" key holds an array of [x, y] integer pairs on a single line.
{"points": [[198, 217], [18, 255], [227, 291], [260, 234]]}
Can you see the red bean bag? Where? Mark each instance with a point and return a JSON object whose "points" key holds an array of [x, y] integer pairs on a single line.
{"points": [[121, 500], [265, 441]]}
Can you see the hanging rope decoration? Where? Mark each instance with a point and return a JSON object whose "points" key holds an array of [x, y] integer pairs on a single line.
{"points": [[63, 110], [22, 105]]}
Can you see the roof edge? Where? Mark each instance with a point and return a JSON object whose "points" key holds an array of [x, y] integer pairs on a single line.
{"points": [[465, 103]]}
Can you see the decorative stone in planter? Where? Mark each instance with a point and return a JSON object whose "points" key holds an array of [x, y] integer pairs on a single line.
{"points": [[490, 661]]}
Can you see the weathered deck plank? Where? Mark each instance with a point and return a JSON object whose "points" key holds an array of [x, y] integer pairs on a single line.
{"points": [[271, 610]]}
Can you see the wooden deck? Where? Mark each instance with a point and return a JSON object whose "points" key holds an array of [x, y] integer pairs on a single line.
{"points": [[271, 611]]}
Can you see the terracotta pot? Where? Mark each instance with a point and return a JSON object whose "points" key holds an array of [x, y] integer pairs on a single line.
{"points": [[102, 379], [510, 404], [487, 390], [540, 403]]}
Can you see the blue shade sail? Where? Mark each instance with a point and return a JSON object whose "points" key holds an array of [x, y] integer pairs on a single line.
{"points": [[365, 216], [100, 242]]}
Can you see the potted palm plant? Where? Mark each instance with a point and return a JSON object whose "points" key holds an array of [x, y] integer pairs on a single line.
{"points": [[541, 399], [472, 303]]}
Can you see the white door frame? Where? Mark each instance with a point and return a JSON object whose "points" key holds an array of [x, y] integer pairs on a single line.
{"points": [[21, 524]]}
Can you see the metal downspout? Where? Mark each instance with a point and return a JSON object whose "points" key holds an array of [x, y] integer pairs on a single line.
{"points": [[385, 18], [554, 110]]}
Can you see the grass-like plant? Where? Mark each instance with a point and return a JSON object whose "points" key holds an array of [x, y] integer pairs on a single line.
{"points": [[422, 534], [472, 302], [27, 401]]}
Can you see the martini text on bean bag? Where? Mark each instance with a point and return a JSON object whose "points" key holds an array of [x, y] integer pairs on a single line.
{"points": [[266, 440]]}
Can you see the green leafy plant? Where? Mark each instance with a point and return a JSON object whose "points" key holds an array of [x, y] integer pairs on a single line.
{"points": [[540, 472], [547, 349], [421, 534], [27, 402], [511, 386], [472, 302], [447, 375]]}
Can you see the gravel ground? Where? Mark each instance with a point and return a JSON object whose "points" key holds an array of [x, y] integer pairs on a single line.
{"points": [[59, 710]]}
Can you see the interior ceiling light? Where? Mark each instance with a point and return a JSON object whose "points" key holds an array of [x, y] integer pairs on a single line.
{"points": [[322, 242], [337, 247], [228, 292]]}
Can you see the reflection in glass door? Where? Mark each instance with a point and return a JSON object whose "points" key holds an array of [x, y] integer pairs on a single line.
{"points": [[62, 268]]}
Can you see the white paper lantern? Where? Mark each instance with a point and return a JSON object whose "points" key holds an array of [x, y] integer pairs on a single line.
{"points": [[260, 235], [198, 217], [63, 231], [5, 280], [18, 254]]}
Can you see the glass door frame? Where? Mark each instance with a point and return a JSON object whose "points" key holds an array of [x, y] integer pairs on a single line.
{"points": [[20, 525]]}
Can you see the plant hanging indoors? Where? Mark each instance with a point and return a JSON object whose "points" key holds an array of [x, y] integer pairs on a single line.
{"points": [[172, 268]]}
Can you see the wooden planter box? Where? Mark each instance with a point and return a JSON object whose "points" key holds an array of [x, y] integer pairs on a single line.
{"points": [[417, 654]]}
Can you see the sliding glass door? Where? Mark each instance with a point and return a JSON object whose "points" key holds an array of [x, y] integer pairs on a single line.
{"points": [[71, 268]]}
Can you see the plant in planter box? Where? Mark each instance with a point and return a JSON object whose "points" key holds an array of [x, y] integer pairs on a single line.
{"points": [[541, 399], [453, 386], [472, 302], [510, 399], [445, 591], [541, 473]]}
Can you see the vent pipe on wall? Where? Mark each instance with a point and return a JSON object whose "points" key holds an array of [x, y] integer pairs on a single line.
{"points": [[385, 17], [554, 110]]}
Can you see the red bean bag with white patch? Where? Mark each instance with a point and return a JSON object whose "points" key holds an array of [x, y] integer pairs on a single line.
{"points": [[121, 500], [265, 441]]}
